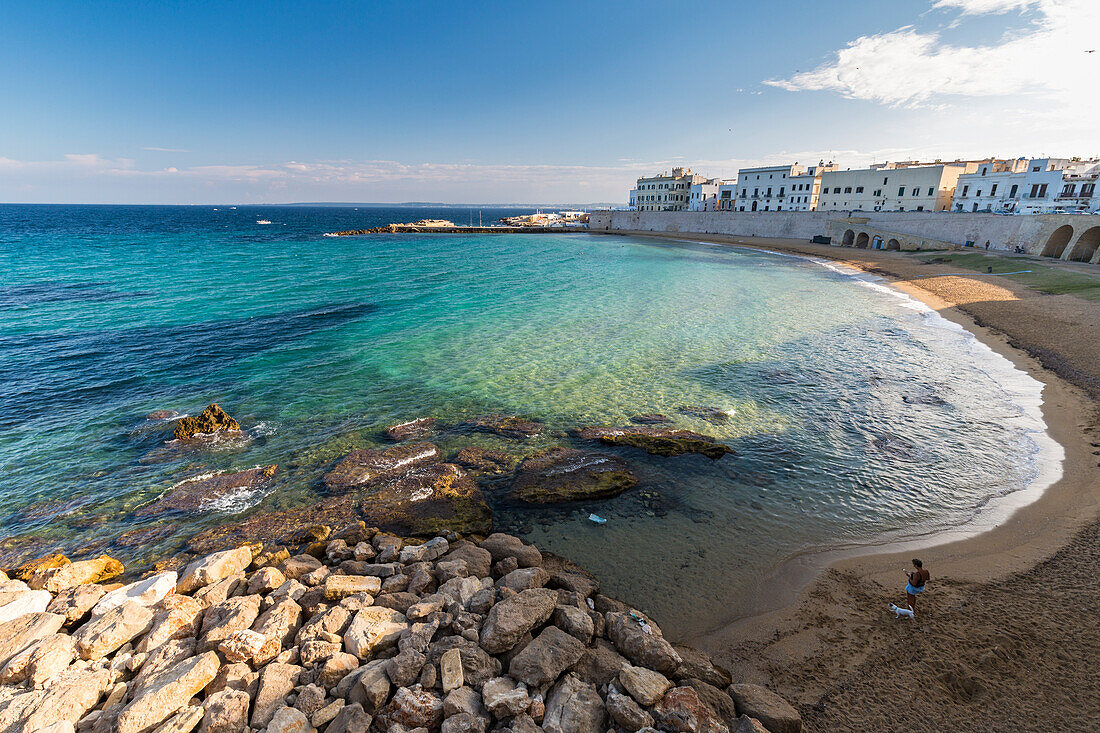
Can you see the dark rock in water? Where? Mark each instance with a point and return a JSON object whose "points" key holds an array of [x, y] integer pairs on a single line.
{"points": [[896, 446], [203, 493], [428, 501], [424, 502], [568, 474], [651, 419], [710, 414], [567, 574], [421, 427], [162, 415], [211, 420], [484, 460], [510, 426], [658, 441], [924, 399], [366, 466]]}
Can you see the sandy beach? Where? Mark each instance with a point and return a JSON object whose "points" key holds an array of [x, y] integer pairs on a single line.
{"points": [[1004, 638]]}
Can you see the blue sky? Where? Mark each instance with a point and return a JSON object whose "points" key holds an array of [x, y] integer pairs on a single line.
{"points": [[198, 102]]}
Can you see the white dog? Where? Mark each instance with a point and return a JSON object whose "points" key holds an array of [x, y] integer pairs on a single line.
{"points": [[901, 612]]}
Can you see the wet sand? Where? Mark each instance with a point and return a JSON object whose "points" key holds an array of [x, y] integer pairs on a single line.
{"points": [[1006, 637]]}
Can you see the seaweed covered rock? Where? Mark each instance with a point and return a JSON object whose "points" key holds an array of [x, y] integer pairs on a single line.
{"points": [[427, 502], [366, 466], [211, 420], [421, 427], [205, 493], [484, 460], [510, 426], [569, 474], [658, 441]]}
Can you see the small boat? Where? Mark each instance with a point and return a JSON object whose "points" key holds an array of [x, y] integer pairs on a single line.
{"points": [[262, 221]]}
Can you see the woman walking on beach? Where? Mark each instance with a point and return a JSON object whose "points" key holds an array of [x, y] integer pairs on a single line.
{"points": [[918, 577]]}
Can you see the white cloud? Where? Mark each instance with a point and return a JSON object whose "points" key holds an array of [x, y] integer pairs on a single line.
{"points": [[1043, 69], [983, 7], [166, 150]]}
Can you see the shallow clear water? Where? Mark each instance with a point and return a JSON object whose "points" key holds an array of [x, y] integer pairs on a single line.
{"points": [[854, 414]]}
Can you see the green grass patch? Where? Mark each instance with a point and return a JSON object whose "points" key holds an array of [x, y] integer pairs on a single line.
{"points": [[1044, 278]]}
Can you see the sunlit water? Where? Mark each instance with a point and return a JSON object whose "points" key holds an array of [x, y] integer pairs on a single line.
{"points": [[854, 414]]}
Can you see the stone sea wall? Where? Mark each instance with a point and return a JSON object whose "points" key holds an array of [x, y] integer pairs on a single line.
{"points": [[912, 229], [358, 630]]}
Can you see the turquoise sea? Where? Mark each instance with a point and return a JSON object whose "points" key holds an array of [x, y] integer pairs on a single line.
{"points": [[855, 413]]}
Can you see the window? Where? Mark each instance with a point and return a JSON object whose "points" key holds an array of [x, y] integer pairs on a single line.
{"points": [[965, 189], [859, 189], [885, 181], [920, 208], [979, 193], [847, 189], [781, 189], [836, 190], [1036, 169], [993, 190], [1043, 191], [878, 192], [932, 190], [984, 171], [1087, 189], [901, 191], [1012, 191]]}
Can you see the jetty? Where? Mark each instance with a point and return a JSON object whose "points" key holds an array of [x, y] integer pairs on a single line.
{"points": [[456, 229]]}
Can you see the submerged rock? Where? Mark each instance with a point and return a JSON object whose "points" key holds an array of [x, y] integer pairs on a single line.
{"points": [[421, 427], [213, 419], [896, 446], [162, 415], [205, 493], [658, 441], [510, 426], [710, 414], [568, 474], [428, 501], [484, 460], [366, 466], [652, 418]]}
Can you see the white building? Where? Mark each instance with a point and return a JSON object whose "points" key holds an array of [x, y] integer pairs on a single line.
{"points": [[665, 192], [765, 188], [704, 196], [901, 186], [1030, 186]]}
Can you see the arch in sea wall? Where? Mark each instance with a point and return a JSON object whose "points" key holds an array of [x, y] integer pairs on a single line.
{"points": [[1057, 241], [861, 240], [1086, 247]]}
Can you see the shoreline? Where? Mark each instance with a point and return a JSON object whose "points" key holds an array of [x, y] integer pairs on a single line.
{"points": [[1028, 535]]}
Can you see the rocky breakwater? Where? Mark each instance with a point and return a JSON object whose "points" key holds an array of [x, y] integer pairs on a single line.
{"points": [[364, 632]]}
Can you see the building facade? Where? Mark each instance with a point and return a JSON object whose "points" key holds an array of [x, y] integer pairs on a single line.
{"points": [[666, 192], [704, 196], [765, 188], [1030, 186], [902, 186]]}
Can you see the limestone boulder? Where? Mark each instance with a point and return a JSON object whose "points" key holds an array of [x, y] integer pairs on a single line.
{"points": [[574, 706], [374, 628], [502, 546], [504, 697], [213, 568], [626, 713], [174, 617], [483, 460], [168, 692], [278, 625], [221, 621], [289, 720], [543, 660], [82, 572], [145, 592], [477, 666], [640, 641], [41, 661], [75, 603], [681, 711], [414, 707], [510, 619], [644, 685], [107, 632], [24, 602], [276, 681], [776, 714], [225, 712]]}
